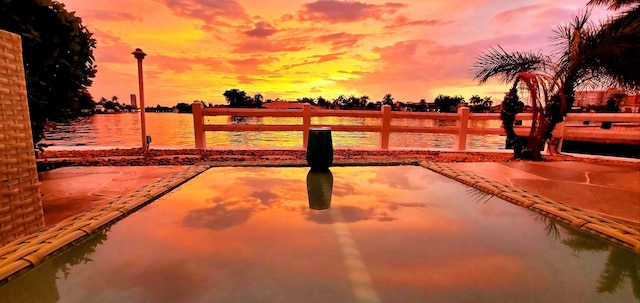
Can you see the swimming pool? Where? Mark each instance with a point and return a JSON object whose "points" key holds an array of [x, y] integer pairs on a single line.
{"points": [[391, 234]]}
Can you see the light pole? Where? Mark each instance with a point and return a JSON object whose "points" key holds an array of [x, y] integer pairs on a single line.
{"points": [[139, 55]]}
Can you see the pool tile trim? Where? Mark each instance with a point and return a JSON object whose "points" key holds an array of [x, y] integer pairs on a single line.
{"points": [[590, 222], [25, 253]]}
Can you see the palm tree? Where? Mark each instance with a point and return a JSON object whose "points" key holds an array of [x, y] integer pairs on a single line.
{"points": [[585, 53], [387, 100], [322, 101], [353, 101], [364, 99], [487, 102], [257, 100], [621, 264], [340, 101]]}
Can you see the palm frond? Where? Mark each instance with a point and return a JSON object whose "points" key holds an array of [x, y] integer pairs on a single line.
{"points": [[497, 63], [614, 50], [613, 4]]}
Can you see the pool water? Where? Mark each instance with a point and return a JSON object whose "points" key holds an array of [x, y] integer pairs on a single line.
{"points": [[391, 234]]}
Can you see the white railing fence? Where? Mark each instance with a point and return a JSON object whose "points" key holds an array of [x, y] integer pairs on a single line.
{"points": [[461, 130]]}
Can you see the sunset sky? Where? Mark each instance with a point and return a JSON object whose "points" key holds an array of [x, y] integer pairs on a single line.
{"points": [[290, 49]]}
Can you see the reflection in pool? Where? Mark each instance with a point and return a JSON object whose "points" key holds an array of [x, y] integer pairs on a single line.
{"points": [[392, 234], [319, 188]]}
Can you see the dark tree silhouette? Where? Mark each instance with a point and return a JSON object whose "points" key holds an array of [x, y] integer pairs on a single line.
{"points": [[58, 59], [237, 98]]}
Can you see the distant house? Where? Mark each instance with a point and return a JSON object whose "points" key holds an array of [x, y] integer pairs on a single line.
{"points": [[586, 98], [99, 109], [284, 105]]}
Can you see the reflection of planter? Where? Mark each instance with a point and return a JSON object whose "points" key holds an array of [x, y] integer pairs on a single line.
{"points": [[319, 188], [320, 148]]}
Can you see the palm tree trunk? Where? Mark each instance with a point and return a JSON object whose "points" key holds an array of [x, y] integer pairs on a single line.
{"points": [[508, 117]]}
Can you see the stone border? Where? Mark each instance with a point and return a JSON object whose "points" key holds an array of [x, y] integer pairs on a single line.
{"points": [[21, 255], [592, 223]]}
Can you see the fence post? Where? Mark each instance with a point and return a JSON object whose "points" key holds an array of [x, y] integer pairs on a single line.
{"points": [[463, 125], [386, 127], [306, 123], [198, 124]]}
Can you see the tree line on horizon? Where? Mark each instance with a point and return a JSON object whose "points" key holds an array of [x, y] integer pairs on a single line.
{"points": [[442, 103]]}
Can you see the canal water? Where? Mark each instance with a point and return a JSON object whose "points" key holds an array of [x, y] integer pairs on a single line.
{"points": [[176, 130]]}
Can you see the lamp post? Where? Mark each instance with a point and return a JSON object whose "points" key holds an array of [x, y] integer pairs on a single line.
{"points": [[139, 55]]}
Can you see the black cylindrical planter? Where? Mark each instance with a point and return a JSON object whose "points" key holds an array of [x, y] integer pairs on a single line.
{"points": [[320, 148]]}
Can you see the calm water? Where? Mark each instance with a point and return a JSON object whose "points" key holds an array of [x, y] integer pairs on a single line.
{"points": [[392, 234], [176, 130]]}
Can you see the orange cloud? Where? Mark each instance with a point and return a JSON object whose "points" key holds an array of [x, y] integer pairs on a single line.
{"points": [[264, 46], [252, 62], [261, 30], [340, 40], [316, 59]]}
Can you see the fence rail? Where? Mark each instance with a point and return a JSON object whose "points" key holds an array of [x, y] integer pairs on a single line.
{"points": [[461, 130]]}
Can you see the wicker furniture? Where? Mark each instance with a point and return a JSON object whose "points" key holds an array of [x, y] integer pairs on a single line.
{"points": [[20, 202]]}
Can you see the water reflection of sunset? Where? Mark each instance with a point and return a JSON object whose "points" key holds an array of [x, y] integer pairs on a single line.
{"points": [[403, 233], [176, 130]]}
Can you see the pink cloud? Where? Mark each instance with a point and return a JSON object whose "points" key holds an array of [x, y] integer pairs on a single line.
{"points": [[209, 11], [261, 30], [534, 16], [183, 64], [178, 64], [508, 15], [334, 11], [340, 40], [110, 48], [287, 18], [110, 16], [403, 21], [174, 64], [419, 65]]}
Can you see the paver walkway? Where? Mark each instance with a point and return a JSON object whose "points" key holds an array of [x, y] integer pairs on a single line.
{"points": [[612, 190]]}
